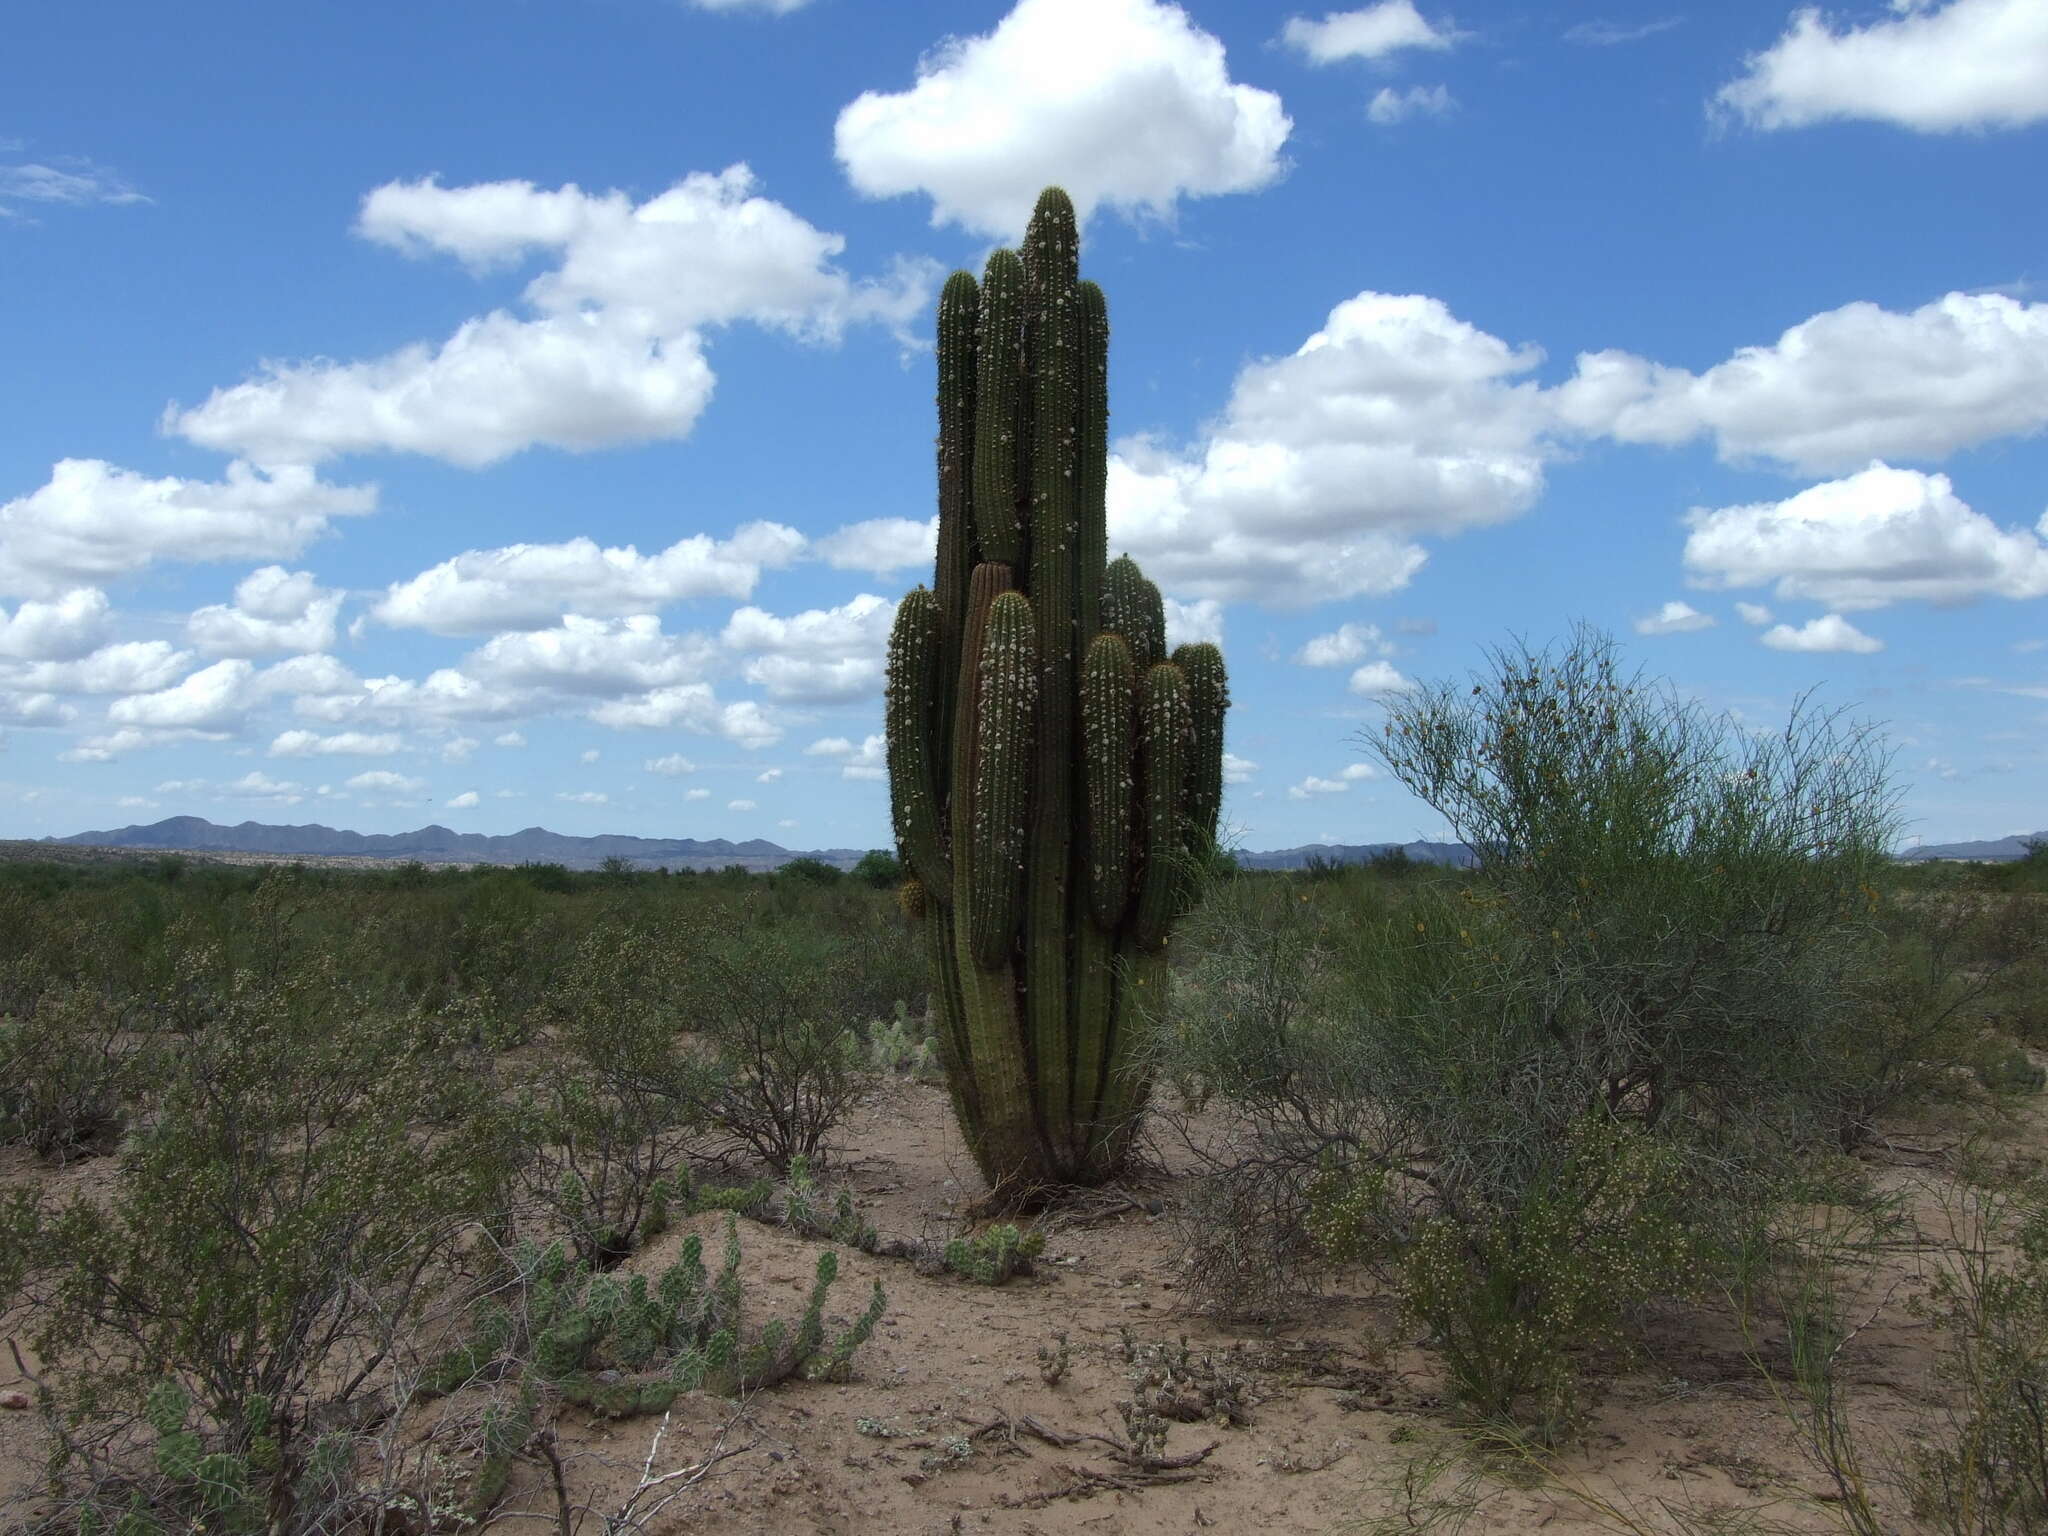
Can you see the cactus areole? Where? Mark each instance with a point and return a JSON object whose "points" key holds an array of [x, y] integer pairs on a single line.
{"points": [[1052, 770]]}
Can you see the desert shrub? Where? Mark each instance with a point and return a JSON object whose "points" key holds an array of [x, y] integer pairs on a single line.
{"points": [[880, 869], [809, 1211], [1602, 1043], [1988, 1474], [778, 1006], [279, 1222], [624, 1098], [67, 1071]]}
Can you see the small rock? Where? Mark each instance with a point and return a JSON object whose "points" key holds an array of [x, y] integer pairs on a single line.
{"points": [[14, 1400]]}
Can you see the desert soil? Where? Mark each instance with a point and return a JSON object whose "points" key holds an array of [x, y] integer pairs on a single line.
{"points": [[938, 1432]]}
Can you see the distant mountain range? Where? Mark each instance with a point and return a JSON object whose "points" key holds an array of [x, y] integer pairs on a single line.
{"points": [[537, 845], [1998, 850]]}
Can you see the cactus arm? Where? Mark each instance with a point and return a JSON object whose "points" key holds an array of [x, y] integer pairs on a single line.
{"points": [[1109, 766], [959, 315], [1132, 607], [1163, 749], [1092, 552], [911, 723], [999, 382], [1208, 699], [1005, 724]]}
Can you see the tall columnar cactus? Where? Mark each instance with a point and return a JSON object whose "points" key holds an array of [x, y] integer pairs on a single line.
{"points": [[1051, 769]]}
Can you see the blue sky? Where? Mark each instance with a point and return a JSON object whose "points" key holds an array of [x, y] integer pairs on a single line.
{"points": [[512, 412]]}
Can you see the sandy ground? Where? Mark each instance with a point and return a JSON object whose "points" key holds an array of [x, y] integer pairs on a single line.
{"points": [[938, 1432]]}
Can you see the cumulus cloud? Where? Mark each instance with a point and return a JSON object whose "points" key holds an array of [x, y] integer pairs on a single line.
{"points": [[303, 743], [1344, 645], [1965, 65], [1840, 388], [34, 709], [1830, 632], [691, 707], [1125, 103], [93, 520], [466, 801], [382, 781], [1193, 623], [869, 760], [1880, 536], [821, 656], [1674, 618], [1238, 770], [590, 656], [1376, 679], [509, 739], [671, 766], [1395, 420], [613, 349], [880, 545], [528, 586], [696, 794], [255, 785], [62, 629], [1375, 32], [1610, 34], [583, 796], [772, 7], [1754, 614], [212, 700], [274, 610], [1313, 786], [1389, 106], [127, 666]]}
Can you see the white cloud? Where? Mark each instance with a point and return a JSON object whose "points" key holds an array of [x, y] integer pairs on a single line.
{"points": [[1830, 632], [1192, 623], [127, 666], [1609, 34], [1373, 32], [92, 520], [880, 545], [1674, 618], [63, 629], [1969, 64], [691, 707], [527, 586], [74, 182], [274, 610], [1753, 613], [466, 801], [1122, 102], [696, 794], [1879, 536], [302, 743], [741, 805], [457, 749], [823, 655], [1238, 770], [1359, 773], [867, 761], [1395, 420], [509, 739], [382, 781], [590, 755], [443, 696], [583, 796], [671, 766], [1344, 645], [1839, 389], [212, 700], [255, 785], [1312, 786], [1378, 678], [590, 656], [613, 351], [768, 776], [1390, 106], [772, 7], [34, 709]]}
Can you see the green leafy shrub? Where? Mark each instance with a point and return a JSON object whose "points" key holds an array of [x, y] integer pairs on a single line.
{"points": [[809, 1212], [67, 1074]]}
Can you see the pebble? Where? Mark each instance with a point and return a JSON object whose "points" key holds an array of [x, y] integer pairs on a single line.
{"points": [[14, 1400]]}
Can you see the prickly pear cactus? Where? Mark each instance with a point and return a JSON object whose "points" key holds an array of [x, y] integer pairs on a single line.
{"points": [[1051, 769]]}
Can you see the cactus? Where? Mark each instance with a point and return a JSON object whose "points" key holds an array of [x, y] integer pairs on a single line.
{"points": [[1051, 769]]}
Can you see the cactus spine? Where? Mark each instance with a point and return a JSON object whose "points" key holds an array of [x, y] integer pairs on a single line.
{"points": [[1050, 768]]}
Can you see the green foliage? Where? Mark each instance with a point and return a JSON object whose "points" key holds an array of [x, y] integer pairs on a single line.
{"points": [[994, 1254], [904, 1044], [808, 871], [810, 1213], [880, 869], [67, 1073], [1051, 772]]}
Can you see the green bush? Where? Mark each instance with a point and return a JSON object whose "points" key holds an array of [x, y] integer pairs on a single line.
{"points": [[67, 1074]]}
